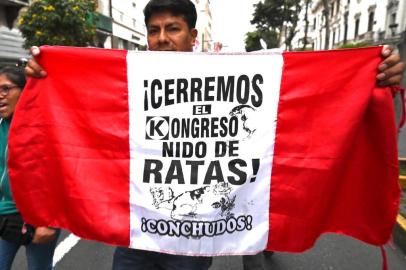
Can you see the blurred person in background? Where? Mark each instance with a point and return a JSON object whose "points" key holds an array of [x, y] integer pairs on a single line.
{"points": [[14, 232]]}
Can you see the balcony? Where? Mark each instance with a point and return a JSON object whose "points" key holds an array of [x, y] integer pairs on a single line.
{"points": [[104, 22]]}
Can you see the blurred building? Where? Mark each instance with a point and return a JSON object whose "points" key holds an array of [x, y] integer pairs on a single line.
{"points": [[120, 25], [104, 24], [129, 30], [351, 22], [10, 38], [204, 26], [128, 26]]}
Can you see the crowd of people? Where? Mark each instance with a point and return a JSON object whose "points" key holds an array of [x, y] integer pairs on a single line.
{"points": [[170, 27]]}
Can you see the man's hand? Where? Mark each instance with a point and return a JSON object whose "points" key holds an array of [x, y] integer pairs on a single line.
{"points": [[43, 235], [33, 69], [391, 69]]}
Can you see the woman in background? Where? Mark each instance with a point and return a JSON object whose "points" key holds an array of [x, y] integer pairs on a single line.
{"points": [[39, 242]]}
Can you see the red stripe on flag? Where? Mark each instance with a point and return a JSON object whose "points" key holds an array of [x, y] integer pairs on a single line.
{"points": [[335, 164], [90, 138]]}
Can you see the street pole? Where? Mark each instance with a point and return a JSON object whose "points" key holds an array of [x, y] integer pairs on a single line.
{"points": [[112, 21]]}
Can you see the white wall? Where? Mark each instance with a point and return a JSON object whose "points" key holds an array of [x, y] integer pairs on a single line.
{"points": [[356, 9], [103, 7], [204, 24], [128, 20]]}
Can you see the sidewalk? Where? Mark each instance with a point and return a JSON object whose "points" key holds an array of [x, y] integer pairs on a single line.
{"points": [[399, 232]]}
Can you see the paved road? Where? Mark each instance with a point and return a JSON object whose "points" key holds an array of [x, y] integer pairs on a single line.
{"points": [[331, 252]]}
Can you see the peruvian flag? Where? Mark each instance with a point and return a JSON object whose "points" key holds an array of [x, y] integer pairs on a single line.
{"points": [[207, 154]]}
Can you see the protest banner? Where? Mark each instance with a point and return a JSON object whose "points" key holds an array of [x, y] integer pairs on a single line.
{"points": [[207, 154]]}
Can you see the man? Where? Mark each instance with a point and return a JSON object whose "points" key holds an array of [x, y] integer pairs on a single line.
{"points": [[171, 27], [39, 242]]}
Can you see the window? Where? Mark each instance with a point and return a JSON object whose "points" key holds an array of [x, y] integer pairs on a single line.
{"points": [[393, 25], [314, 23], [393, 18], [120, 44], [345, 27], [371, 20], [338, 34], [338, 6], [356, 28]]}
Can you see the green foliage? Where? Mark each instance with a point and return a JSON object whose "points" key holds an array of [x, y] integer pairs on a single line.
{"points": [[274, 13], [58, 22], [252, 40], [268, 14], [273, 16], [354, 45]]}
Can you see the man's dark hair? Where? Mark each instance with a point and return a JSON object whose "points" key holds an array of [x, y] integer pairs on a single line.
{"points": [[184, 8], [14, 74]]}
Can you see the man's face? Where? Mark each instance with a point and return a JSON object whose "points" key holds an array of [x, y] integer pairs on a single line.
{"points": [[166, 32]]}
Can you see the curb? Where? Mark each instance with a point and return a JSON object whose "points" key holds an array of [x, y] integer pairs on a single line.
{"points": [[399, 233]]}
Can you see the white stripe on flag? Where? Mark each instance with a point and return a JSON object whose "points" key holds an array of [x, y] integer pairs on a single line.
{"points": [[201, 148]]}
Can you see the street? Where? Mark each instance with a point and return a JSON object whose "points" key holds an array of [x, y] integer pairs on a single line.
{"points": [[330, 252]]}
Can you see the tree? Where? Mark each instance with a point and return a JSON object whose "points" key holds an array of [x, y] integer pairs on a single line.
{"points": [[276, 16], [252, 40], [56, 22], [292, 12]]}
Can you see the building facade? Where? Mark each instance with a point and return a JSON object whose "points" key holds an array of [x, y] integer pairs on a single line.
{"points": [[104, 24], [120, 25], [351, 22], [11, 41], [129, 30], [204, 26]]}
